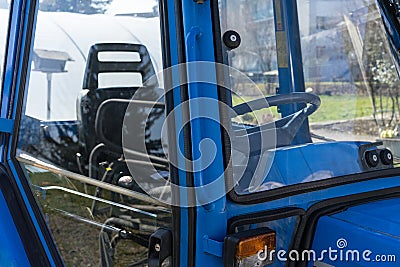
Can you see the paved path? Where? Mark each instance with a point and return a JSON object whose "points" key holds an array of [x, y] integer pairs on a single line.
{"points": [[342, 136]]}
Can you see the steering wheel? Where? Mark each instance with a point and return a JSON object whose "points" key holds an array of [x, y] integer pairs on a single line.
{"points": [[286, 128]]}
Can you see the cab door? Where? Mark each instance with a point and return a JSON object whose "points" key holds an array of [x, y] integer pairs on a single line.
{"points": [[83, 108]]}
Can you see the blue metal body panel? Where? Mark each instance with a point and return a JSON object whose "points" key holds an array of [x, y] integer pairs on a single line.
{"points": [[12, 252], [199, 15], [370, 227], [381, 217]]}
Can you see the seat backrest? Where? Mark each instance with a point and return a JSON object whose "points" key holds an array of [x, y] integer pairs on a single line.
{"points": [[94, 66], [92, 96]]}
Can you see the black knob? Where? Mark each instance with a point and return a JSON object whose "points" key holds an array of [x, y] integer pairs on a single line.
{"points": [[372, 158], [231, 39], [386, 157]]}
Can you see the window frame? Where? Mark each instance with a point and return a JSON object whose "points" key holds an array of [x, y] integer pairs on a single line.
{"points": [[289, 190]]}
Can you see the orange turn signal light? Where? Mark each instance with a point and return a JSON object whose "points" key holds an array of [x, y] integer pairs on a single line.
{"points": [[252, 245], [244, 248]]}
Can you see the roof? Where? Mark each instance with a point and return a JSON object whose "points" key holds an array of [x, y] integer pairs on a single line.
{"points": [[53, 55]]}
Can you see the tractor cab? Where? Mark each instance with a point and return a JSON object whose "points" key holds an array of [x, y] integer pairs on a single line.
{"points": [[200, 133]]}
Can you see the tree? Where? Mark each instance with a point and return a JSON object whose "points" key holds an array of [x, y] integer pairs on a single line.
{"points": [[374, 63], [255, 23], [381, 73]]}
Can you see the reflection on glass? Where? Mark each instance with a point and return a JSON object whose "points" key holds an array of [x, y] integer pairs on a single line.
{"points": [[4, 13], [347, 67], [70, 140]]}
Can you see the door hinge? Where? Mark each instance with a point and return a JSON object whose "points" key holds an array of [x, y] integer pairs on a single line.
{"points": [[6, 125], [213, 247]]}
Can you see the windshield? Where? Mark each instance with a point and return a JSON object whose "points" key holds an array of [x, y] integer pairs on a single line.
{"points": [[324, 81]]}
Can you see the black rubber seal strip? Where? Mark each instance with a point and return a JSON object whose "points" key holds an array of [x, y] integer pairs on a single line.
{"points": [[264, 216], [192, 212], [224, 94], [303, 188], [169, 102]]}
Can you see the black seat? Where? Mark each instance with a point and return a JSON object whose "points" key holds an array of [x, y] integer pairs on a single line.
{"points": [[92, 97]]}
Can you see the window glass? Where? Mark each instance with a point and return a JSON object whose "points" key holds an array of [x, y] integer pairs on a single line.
{"points": [[91, 83], [4, 15], [347, 115]]}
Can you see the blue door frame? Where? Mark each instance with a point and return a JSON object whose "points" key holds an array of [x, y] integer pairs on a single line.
{"points": [[20, 222]]}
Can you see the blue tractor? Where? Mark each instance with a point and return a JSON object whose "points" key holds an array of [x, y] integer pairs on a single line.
{"points": [[200, 133]]}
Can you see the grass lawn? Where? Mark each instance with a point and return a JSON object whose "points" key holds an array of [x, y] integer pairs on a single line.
{"points": [[342, 108], [332, 108], [78, 241]]}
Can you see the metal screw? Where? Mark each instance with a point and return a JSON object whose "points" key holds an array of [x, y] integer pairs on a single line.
{"points": [[157, 247]]}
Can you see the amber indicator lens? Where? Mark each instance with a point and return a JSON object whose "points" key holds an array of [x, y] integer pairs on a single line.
{"points": [[252, 245]]}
